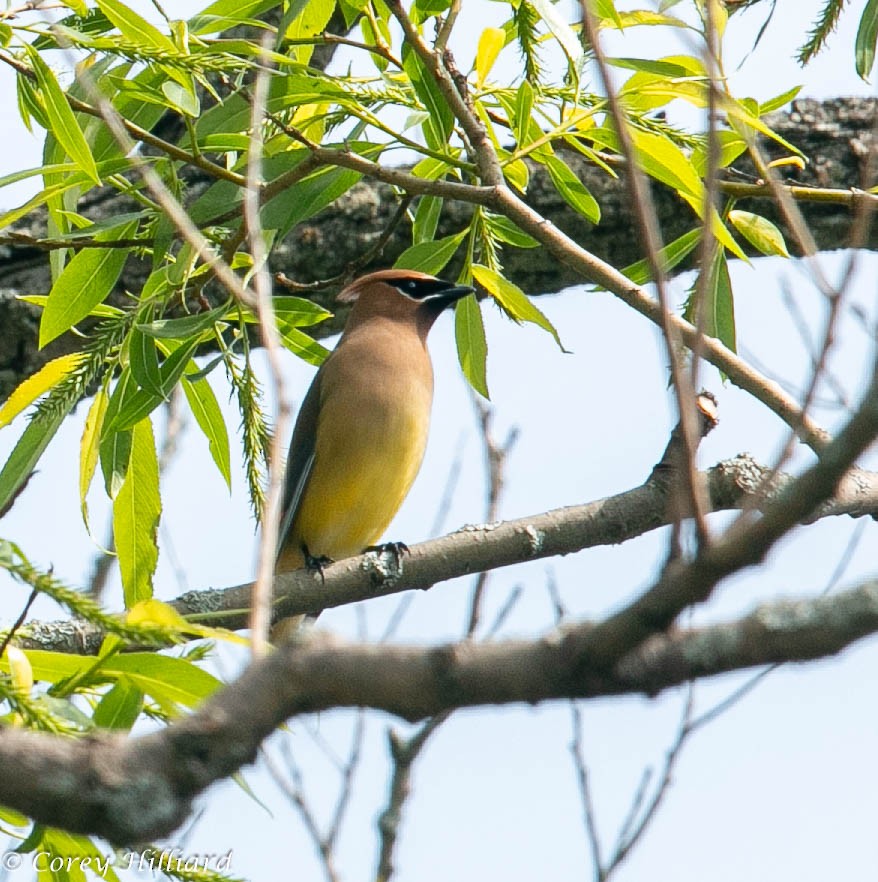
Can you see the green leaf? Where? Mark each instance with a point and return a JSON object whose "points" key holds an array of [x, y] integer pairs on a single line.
{"points": [[70, 178], [115, 447], [92, 23], [437, 129], [669, 257], [426, 218], [563, 33], [523, 107], [170, 681], [740, 114], [867, 33], [430, 257], [301, 345], [666, 162], [46, 378], [15, 177], [472, 347], [138, 30], [309, 17], [184, 327], [61, 119], [27, 452], [663, 160], [84, 283], [512, 300], [517, 172], [648, 89], [298, 312], [210, 420], [663, 67], [120, 707], [506, 231], [421, 10], [526, 130], [289, 313], [142, 34], [224, 14], [132, 108], [78, 853], [779, 100], [572, 190], [89, 448], [182, 98], [606, 12], [136, 511], [760, 232], [13, 818], [491, 41], [306, 197], [719, 305], [141, 403], [115, 455], [100, 311], [731, 146], [143, 359]]}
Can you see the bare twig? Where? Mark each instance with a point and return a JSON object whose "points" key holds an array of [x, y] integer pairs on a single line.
{"points": [[371, 254], [503, 613], [7, 638], [647, 222], [346, 789], [708, 244], [589, 814], [293, 787], [261, 605], [496, 456], [632, 831], [404, 753], [335, 40], [23, 240]]}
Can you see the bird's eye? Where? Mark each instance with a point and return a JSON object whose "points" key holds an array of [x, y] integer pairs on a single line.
{"points": [[421, 289]]}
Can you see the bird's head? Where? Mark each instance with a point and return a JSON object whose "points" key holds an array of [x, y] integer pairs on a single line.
{"points": [[402, 295]]}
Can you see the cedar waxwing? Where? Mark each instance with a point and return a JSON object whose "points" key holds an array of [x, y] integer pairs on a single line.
{"points": [[361, 431]]}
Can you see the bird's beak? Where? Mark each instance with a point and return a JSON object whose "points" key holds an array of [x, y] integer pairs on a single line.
{"points": [[451, 295]]}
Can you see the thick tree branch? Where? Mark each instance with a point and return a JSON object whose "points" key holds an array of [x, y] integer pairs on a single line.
{"points": [[129, 790]]}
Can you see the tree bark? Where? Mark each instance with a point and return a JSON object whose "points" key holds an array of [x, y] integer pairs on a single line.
{"points": [[837, 136]]}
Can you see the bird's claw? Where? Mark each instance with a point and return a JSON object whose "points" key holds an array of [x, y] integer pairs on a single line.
{"points": [[397, 549], [316, 563]]}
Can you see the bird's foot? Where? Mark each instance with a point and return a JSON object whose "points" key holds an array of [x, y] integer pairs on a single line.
{"points": [[316, 564], [397, 549]]}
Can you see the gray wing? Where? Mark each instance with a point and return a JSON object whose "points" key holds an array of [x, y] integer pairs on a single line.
{"points": [[300, 460]]}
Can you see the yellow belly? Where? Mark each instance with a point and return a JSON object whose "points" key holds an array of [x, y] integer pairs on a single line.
{"points": [[366, 459]]}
